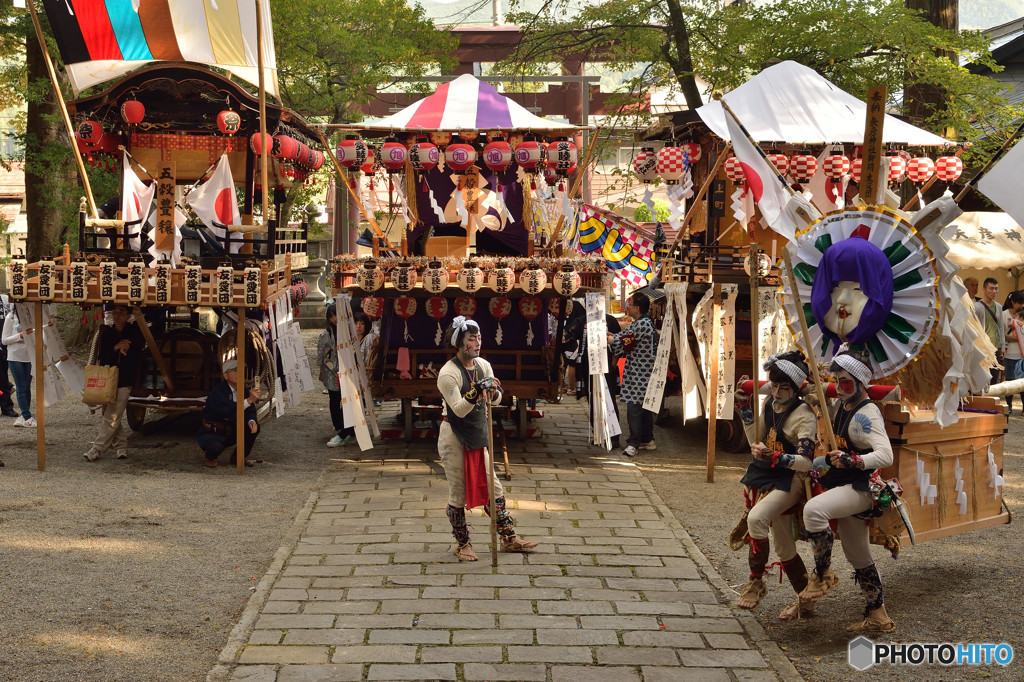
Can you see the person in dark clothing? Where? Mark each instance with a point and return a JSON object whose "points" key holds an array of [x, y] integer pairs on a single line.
{"points": [[219, 428], [119, 346], [6, 389], [576, 337]]}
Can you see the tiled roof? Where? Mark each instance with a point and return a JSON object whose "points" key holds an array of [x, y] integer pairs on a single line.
{"points": [[12, 182]]}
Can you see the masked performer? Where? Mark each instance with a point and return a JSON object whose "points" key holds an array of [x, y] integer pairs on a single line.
{"points": [[862, 449], [775, 477], [465, 382]]}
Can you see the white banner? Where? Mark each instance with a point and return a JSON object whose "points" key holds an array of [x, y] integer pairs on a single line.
{"points": [[351, 374], [693, 390], [659, 375], [597, 334], [773, 335], [702, 325]]}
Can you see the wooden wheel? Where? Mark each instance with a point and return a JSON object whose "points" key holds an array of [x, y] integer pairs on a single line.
{"points": [[136, 416]]}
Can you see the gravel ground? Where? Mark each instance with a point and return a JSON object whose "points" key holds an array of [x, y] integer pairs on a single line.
{"points": [[958, 589], [138, 569]]}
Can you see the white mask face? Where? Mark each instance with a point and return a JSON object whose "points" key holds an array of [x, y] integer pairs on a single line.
{"points": [[471, 345], [848, 303]]}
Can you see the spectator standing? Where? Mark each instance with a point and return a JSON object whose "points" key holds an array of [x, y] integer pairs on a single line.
{"points": [[119, 346], [6, 389], [990, 316], [1013, 362], [19, 358], [637, 344], [327, 361], [972, 287]]}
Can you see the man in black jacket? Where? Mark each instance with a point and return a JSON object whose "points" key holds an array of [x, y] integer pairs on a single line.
{"points": [[219, 426]]}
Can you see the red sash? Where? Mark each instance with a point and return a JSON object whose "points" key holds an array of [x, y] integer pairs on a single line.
{"points": [[476, 478]]}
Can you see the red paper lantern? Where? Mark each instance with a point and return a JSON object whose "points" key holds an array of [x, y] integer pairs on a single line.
{"points": [[465, 306], [352, 152], [441, 139], [550, 177], [645, 165], [437, 307], [304, 156], [498, 155], [318, 160], [500, 307], [459, 157], [803, 166], [836, 166], [555, 306], [671, 164], [285, 147], [393, 155], [529, 154], [423, 156], [897, 167], [780, 161], [855, 167], [530, 307], [90, 132], [734, 170], [561, 155], [373, 306], [692, 151], [370, 163], [405, 307], [229, 122], [257, 148], [948, 168], [109, 142], [133, 111], [920, 169]]}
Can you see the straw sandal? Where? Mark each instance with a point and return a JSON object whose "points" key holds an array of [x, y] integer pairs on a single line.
{"points": [[514, 544], [752, 594], [801, 608], [873, 625], [819, 587], [465, 553]]}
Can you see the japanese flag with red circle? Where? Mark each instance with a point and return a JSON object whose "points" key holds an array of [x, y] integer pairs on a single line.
{"points": [[215, 202]]}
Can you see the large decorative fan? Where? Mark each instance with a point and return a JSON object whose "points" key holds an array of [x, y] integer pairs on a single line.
{"points": [[889, 266]]}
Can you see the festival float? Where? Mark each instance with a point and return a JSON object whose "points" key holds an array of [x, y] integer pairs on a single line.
{"points": [[178, 132], [467, 165], [797, 253]]}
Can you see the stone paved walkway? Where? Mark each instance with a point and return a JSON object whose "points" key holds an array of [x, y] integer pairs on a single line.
{"points": [[367, 588]]}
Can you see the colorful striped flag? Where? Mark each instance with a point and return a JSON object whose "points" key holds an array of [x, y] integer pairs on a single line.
{"points": [[100, 40], [627, 252]]}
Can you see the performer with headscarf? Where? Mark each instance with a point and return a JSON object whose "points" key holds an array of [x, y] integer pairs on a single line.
{"points": [[465, 382], [848, 477], [774, 480]]}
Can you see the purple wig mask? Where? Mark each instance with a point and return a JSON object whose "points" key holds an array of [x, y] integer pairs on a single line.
{"points": [[856, 260]]}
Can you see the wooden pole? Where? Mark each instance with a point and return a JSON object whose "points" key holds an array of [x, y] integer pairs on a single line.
{"points": [[40, 389], [154, 348], [355, 197], [490, 481], [63, 109], [755, 265], [716, 333], [870, 182], [240, 394], [575, 186], [808, 352], [264, 174], [719, 162]]}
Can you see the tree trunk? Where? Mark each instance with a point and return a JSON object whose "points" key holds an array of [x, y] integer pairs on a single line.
{"points": [[681, 61], [924, 101], [49, 177]]}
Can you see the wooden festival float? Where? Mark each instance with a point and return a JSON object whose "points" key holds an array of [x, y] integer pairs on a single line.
{"points": [[947, 439], [168, 126], [463, 165]]}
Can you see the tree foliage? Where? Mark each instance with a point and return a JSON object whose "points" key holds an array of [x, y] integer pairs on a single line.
{"points": [[854, 43]]}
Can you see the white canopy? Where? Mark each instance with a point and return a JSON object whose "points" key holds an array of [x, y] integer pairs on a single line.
{"points": [[985, 240], [791, 103]]}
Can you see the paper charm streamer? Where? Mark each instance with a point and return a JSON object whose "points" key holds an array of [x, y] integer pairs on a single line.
{"points": [[702, 326], [500, 307], [530, 307], [437, 308], [405, 307]]}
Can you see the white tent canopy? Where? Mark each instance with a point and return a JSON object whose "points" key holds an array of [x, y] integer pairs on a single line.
{"points": [[791, 103], [985, 240]]}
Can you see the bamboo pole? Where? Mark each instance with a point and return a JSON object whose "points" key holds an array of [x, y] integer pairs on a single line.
{"points": [[755, 266], [40, 389], [264, 174], [575, 186], [700, 195], [716, 333], [809, 352], [355, 197], [240, 394], [490, 481], [63, 108]]}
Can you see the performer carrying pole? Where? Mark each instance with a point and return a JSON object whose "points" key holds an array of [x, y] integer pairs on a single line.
{"points": [[464, 382]]}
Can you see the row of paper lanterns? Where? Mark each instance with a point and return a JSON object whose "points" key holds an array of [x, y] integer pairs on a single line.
{"points": [[424, 154], [802, 167], [470, 278], [437, 307], [133, 112]]}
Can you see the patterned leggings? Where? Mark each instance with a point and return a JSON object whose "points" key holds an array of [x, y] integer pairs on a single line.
{"points": [[460, 531]]}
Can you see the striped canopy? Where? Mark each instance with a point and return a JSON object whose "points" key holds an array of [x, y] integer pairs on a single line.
{"points": [[100, 40], [465, 103]]}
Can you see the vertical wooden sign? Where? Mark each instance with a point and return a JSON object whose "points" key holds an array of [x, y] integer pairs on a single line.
{"points": [[47, 268], [162, 281], [108, 273], [193, 284], [19, 280], [79, 290], [225, 284], [165, 181], [251, 282], [872, 154], [136, 281]]}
